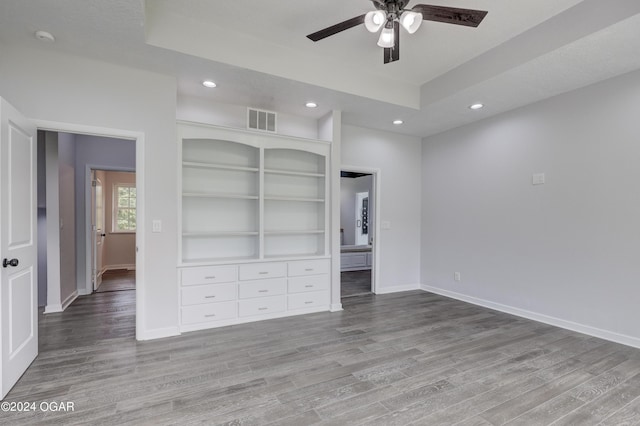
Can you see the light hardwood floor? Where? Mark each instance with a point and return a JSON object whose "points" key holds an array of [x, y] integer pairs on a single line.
{"points": [[406, 358]]}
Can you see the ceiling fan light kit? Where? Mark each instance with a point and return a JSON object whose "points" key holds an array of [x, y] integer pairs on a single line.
{"points": [[374, 20], [391, 14], [411, 21], [387, 37]]}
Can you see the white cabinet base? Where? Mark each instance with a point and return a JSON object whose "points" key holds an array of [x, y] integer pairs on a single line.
{"points": [[185, 328], [258, 291]]}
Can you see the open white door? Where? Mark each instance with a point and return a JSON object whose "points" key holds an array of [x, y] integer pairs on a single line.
{"points": [[18, 246], [97, 229]]}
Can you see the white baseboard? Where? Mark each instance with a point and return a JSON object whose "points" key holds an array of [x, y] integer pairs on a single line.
{"points": [[53, 308], [558, 322], [157, 333], [56, 308], [127, 266], [335, 307], [69, 300], [398, 289]]}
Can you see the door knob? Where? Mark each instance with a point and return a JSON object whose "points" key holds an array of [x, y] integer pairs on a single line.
{"points": [[7, 262]]}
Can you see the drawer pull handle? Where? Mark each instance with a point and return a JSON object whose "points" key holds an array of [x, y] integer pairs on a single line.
{"points": [[309, 269], [210, 315], [263, 273], [263, 291], [209, 297], [262, 309], [308, 303], [309, 286], [211, 277]]}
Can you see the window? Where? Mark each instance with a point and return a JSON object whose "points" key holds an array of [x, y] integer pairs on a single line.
{"points": [[124, 211]]}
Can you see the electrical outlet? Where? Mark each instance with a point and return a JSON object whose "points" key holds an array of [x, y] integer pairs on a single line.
{"points": [[456, 276]]}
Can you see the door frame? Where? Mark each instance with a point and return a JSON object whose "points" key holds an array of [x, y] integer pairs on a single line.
{"points": [[87, 214], [376, 185], [139, 138]]}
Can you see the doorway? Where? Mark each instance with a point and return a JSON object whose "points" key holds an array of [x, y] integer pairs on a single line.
{"points": [[113, 230], [71, 203], [358, 208]]}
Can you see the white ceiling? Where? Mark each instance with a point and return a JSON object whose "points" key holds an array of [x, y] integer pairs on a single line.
{"points": [[257, 52]]}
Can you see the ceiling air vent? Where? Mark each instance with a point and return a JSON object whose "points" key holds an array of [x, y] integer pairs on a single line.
{"points": [[261, 120]]}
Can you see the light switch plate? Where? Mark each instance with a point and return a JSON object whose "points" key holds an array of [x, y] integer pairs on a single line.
{"points": [[538, 179], [385, 224], [156, 226]]}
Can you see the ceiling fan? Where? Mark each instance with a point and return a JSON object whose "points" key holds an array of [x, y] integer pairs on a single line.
{"points": [[391, 14]]}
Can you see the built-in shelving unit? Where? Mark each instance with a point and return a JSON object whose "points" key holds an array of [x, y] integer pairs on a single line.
{"points": [[249, 196], [254, 226]]}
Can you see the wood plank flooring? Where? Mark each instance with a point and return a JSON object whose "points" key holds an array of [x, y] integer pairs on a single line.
{"points": [[355, 283], [117, 280], [398, 359]]}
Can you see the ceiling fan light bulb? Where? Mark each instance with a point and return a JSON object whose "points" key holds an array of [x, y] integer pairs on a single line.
{"points": [[374, 20], [387, 38], [411, 21]]}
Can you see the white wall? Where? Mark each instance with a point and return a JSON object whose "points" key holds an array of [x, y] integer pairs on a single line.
{"points": [[119, 247], [565, 252], [202, 110], [66, 164], [52, 223], [398, 158], [46, 85], [42, 221], [349, 187], [98, 153]]}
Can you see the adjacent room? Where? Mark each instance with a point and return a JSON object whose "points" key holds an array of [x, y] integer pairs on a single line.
{"points": [[371, 212]]}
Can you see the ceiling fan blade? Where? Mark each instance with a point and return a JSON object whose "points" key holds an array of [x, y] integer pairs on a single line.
{"points": [[450, 15], [392, 54], [335, 29]]}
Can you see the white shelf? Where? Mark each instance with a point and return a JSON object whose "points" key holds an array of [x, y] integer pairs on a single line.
{"points": [[308, 200], [232, 196], [248, 198], [293, 173], [220, 234], [197, 165], [302, 256], [294, 232]]}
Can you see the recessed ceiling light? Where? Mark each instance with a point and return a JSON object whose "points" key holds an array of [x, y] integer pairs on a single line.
{"points": [[208, 83], [45, 36], [311, 105], [476, 106], [398, 122]]}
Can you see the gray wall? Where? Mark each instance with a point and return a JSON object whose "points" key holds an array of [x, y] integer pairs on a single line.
{"points": [[66, 161], [567, 251]]}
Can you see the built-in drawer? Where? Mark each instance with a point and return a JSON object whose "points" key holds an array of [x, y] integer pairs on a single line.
{"points": [[209, 312], [308, 267], [262, 288], [194, 295], [308, 283], [262, 305], [258, 271], [209, 275], [308, 300]]}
